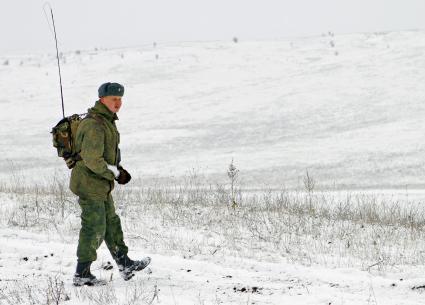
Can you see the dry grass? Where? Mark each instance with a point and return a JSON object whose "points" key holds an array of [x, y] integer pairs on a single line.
{"points": [[195, 218]]}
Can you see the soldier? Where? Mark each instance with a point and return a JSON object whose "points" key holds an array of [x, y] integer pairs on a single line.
{"points": [[92, 180]]}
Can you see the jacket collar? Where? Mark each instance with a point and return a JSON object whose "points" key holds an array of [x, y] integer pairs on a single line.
{"points": [[101, 109]]}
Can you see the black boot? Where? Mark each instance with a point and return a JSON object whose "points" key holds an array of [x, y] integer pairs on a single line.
{"points": [[83, 276], [127, 266]]}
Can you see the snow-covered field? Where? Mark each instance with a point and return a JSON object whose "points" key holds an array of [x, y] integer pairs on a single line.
{"points": [[292, 248], [276, 107], [347, 108]]}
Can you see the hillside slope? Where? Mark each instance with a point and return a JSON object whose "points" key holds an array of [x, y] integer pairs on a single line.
{"points": [[347, 108]]}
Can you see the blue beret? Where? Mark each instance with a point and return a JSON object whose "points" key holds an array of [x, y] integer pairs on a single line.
{"points": [[114, 89]]}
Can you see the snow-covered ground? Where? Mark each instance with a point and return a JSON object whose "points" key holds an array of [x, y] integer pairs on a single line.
{"points": [[352, 114], [205, 281], [347, 108], [203, 254]]}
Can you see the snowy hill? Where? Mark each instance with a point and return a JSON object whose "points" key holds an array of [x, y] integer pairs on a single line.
{"points": [[347, 108]]}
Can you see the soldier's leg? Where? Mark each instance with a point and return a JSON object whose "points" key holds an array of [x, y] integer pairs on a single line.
{"points": [[93, 226], [114, 237]]}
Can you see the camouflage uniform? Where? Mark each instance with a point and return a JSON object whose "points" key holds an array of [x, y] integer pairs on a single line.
{"points": [[97, 140]]}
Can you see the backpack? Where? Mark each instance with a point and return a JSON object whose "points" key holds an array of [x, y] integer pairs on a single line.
{"points": [[64, 136]]}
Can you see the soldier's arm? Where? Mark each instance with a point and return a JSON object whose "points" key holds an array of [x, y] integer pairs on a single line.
{"points": [[92, 152]]}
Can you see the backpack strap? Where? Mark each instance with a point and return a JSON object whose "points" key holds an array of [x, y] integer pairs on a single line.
{"points": [[77, 157], [95, 116]]}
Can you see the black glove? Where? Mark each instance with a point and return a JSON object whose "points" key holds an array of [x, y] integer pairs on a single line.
{"points": [[124, 177]]}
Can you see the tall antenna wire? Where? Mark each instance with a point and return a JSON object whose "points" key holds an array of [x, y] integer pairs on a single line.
{"points": [[57, 55]]}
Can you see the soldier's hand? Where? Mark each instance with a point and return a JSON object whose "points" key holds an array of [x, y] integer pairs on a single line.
{"points": [[124, 176]]}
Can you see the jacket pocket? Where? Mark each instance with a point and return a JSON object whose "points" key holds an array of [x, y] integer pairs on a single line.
{"points": [[86, 184]]}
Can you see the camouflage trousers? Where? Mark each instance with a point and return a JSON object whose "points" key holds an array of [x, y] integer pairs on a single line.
{"points": [[99, 223]]}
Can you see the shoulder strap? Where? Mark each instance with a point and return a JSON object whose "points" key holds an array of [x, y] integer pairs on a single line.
{"points": [[96, 117], [77, 157]]}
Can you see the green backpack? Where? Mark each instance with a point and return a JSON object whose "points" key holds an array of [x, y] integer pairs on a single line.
{"points": [[64, 135]]}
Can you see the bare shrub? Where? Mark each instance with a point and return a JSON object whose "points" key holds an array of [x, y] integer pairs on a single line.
{"points": [[233, 174], [50, 292], [101, 295], [56, 292], [136, 293], [195, 218]]}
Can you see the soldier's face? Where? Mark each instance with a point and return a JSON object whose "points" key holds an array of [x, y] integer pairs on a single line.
{"points": [[113, 103]]}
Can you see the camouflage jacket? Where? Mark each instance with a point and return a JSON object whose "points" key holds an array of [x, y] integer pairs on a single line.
{"points": [[97, 142]]}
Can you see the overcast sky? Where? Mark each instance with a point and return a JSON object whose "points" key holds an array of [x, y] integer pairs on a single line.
{"points": [[83, 24]]}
